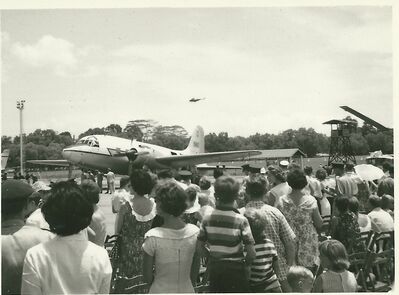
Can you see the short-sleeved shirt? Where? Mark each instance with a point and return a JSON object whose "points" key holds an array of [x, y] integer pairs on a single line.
{"points": [[262, 267], [347, 184], [278, 231], [226, 231], [381, 220]]}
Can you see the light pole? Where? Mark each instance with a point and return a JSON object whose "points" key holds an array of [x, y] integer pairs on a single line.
{"points": [[20, 107]]}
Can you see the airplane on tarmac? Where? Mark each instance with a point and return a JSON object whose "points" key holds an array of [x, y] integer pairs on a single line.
{"points": [[196, 99], [99, 152]]}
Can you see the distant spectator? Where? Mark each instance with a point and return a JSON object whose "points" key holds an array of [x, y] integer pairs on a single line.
{"points": [[265, 265], [362, 219], [77, 265], [336, 277], [185, 177], [387, 204], [280, 187], [381, 220], [300, 279], [207, 188], [325, 205], [110, 181], [99, 177], [226, 241], [386, 184], [97, 230], [205, 203], [16, 238], [217, 173], [345, 227], [303, 216]]}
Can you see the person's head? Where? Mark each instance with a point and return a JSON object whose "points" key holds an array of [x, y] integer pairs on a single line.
{"points": [[217, 173], [333, 255], [124, 182], [391, 171], [300, 279], [275, 175], [329, 170], [338, 168], [284, 164], [292, 166], [67, 210], [296, 179], [256, 187], [141, 182], [342, 204], [191, 193], [245, 169], [204, 183], [91, 191], [321, 174], [308, 170], [353, 205], [374, 202], [165, 174], [185, 175], [387, 202], [15, 201], [349, 167], [257, 221], [226, 189], [386, 166], [203, 199], [170, 199]]}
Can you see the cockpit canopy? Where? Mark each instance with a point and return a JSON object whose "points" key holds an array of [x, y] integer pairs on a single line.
{"points": [[89, 140]]}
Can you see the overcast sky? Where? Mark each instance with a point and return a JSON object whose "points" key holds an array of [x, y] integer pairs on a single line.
{"points": [[260, 69]]}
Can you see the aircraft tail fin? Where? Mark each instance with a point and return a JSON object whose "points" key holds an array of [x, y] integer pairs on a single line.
{"points": [[197, 142], [4, 158]]}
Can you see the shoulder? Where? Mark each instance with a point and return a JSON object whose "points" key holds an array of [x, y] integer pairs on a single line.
{"points": [[191, 230]]}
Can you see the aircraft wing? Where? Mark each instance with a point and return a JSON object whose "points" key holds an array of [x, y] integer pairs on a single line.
{"points": [[188, 160], [63, 163]]}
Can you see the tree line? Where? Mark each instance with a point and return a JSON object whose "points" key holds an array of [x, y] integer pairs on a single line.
{"points": [[48, 144]]}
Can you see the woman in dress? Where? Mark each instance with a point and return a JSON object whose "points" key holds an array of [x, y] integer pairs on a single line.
{"points": [[171, 248], [136, 216], [302, 214]]}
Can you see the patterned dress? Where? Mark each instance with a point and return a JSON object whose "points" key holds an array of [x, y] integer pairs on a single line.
{"points": [[300, 219], [347, 230], [132, 234]]}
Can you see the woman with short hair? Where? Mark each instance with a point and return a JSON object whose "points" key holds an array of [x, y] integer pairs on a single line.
{"points": [[69, 263], [303, 216], [171, 248]]}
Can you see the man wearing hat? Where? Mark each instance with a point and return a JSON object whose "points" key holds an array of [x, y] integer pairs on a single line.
{"points": [[185, 177], [37, 218], [284, 164], [16, 237]]}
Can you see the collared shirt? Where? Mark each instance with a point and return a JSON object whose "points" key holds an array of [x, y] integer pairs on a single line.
{"points": [[8, 227], [278, 231], [347, 185], [381, 220], [66, 265], [13, 250], [225, 231], [37, 219]]}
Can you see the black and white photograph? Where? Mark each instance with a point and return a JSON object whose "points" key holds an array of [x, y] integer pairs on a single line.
{"points": [[198, 147]]}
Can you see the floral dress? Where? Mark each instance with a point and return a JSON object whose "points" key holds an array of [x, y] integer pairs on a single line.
{"points": [[299, 218], [132, 234], [191, 215], [347, 231]]}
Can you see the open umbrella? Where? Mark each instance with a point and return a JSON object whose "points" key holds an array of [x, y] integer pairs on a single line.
{"points": [[369, 172]]}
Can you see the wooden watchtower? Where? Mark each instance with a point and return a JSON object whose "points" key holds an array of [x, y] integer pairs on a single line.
{"points": [[340, 144]]}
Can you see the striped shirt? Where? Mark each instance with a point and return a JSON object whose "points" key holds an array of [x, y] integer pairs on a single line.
{"points": [[225, 231], [262, 267]]}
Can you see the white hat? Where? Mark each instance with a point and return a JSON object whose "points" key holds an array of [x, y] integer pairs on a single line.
{"points": [[40, 186], [284, 163], [262, 170]]}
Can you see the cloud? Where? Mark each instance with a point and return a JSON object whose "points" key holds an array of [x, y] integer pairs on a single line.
{"points": [[58, 54]]}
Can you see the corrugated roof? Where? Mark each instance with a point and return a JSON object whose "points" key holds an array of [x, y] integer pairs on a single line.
{"points": [[279, 153]]}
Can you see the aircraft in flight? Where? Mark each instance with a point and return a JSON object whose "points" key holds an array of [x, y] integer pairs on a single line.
{"points": [[99, 152], [196, 99]]}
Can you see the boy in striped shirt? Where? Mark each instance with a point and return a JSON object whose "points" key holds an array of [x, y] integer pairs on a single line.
{"points": [[224, 234], [264, 267]]}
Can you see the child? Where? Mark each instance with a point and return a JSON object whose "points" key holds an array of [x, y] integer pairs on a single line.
{"points": [[264, 267], [300, 279], [336, 277], [387, 204], [190, 215], [226, 232], [205, 203]]}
